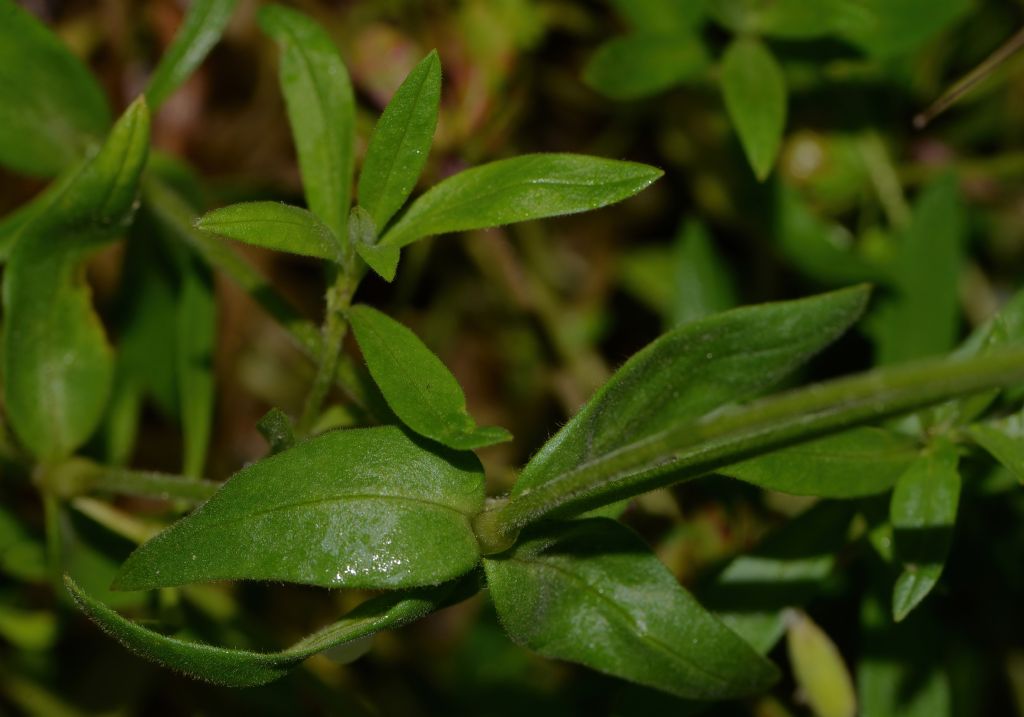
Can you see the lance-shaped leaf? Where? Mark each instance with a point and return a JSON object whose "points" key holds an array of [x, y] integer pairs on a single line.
{"points": [[859, 462], [400, 142], [200, 31], [692, 370], [417, 386], [321, 110], [51, 108], [755, 98], [923, 513], [368, 508], [273, 225], [1003, 438], [533, 186], [245, 668], [819, 669], [590, 591], [197, 337], [922, 317], [58, 364], [635, 66]]}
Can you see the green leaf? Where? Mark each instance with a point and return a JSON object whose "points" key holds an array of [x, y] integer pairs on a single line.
{"points": [[661, 16], [1003, 438], [196, 340], [321, 110], [922, 317], [51, 108], [277, 428], [273, 225], [786, 571], [702, 281], [889, 28], [923, 513], [790, 19], [691, 371], [755, 98], [819, 669], [400, 142], [368, 508], [856, 463], [591, 592], [244, 668], [199, 32], [417, 386], [532, 186], [635, 66], [58, 364]]}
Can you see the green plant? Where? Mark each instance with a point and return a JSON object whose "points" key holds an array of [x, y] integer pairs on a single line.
{"points": [[398, 504]]}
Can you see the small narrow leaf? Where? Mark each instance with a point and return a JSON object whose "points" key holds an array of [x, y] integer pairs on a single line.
{"points": [[703, 283], [819, 669], [532, 186], [58, 364], [321, 109], [859, 462], [273, 225], [277, 428], [755, 98], [51, 107], [369, 508], [417, 386], [245, 668], [636, 66], [400, 142], [922, 317], [923, 513], [200, 31], [196, 339], [591, 592], [1003, 438], [692, 370]]}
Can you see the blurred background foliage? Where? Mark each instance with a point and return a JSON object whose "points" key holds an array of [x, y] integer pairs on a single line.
{"points": [[532, 319]]}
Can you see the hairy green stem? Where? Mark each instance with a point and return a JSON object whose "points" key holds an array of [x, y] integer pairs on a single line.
{"points": [[692, 449], [150, 484], [339, 298]]}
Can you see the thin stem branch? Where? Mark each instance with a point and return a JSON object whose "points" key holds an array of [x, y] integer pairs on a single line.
{"points": [[147, 484], [691, 449]]}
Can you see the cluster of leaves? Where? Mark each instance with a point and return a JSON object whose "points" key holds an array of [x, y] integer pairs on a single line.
{"points": [[398, 504]]}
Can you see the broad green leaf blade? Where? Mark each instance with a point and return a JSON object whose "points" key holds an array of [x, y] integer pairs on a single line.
{"points": [[755, 98], [51, 108], [197, 337], [245, 668], [591, 592], [692, 370], [417, 386], [273, 225], [819, 669], [922, 317], [661, 16], [199, 32], [786, 571], [400, 142], [635, 66], [321, 110], [923, 513], [859, 462], [532, 186], [368, 508], [58, 364], [1003, 438]]}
